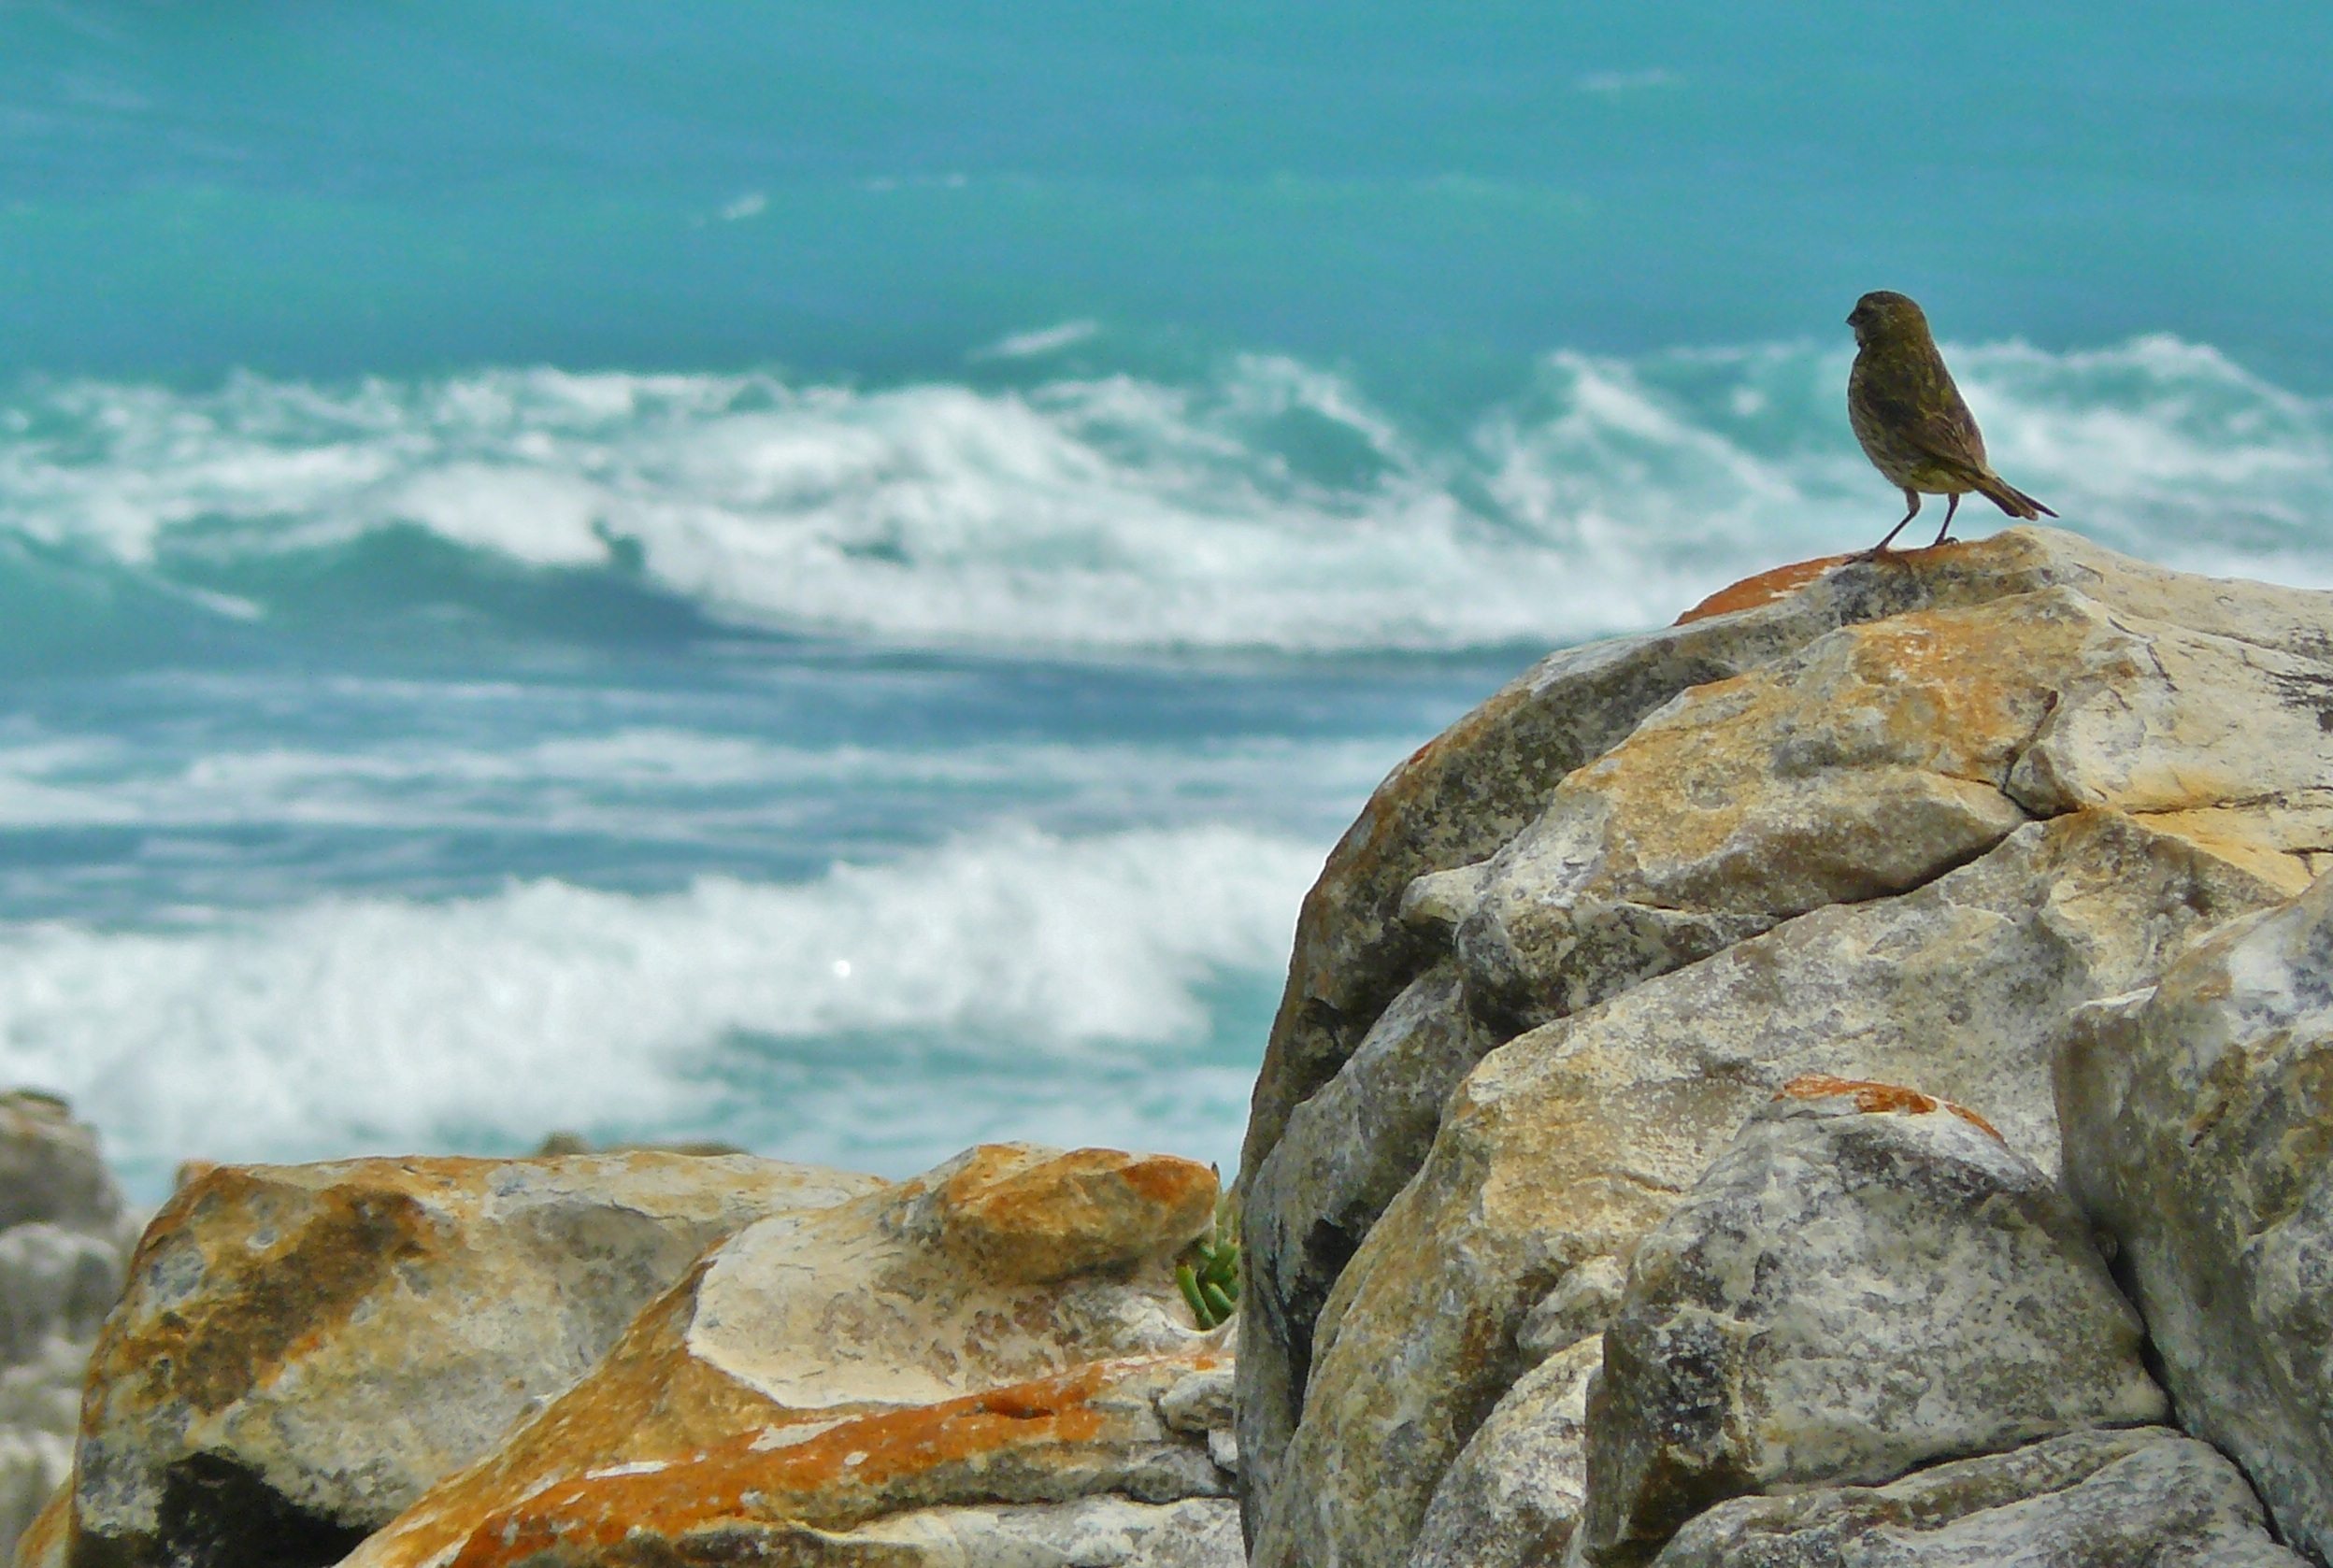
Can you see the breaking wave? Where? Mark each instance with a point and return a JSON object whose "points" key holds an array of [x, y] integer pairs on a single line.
{"points": [[1274, 504], [996, 983]]}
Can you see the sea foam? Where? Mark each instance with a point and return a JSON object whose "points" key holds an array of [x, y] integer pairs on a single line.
{"points": [[1027, 969], [1273, 504]]}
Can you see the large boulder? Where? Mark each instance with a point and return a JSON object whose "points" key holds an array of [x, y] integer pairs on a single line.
{"points": [[998, 1335], [2199, 1122], [1569, 1143], [302, 1351], [1886, 819], [1866, 1281], [1465, 794], [2087, 1500]]}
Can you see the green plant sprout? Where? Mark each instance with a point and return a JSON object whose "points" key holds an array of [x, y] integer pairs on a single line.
{"points": [[1210, 1272]]}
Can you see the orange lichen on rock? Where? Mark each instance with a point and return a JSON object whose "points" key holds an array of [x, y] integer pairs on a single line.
{"points": [[1763, 589], [351, 1332], [1034, 1442], [280, 1271], [46, 1539], [1879, 1098], [996, 1330], [1093, 1209], [1013, 1445]]}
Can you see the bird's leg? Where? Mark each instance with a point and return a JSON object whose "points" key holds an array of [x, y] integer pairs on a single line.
{"points": [[1912, 497], [1951, 504]]}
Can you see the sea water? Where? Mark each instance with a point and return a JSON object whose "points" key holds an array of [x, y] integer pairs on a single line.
{"points": [[825, 575]]}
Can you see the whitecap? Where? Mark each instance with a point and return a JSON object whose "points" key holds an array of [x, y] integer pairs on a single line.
{"points": [[1273, 504], [1047, 966]]}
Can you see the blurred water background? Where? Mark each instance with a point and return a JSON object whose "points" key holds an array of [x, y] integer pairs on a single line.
{"points": [[823, 576]]}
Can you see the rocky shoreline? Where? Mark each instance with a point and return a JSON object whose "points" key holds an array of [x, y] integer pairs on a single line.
{"points": [[1840, 1081]]}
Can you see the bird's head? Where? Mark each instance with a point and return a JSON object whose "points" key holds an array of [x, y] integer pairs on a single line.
{"points": [[1883, 313]]}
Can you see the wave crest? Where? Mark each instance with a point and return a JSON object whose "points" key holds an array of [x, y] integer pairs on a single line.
{"points": [[389, 1024], [1272, 505]]}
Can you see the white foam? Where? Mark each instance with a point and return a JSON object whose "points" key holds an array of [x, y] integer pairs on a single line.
{"points": [[1044, 340], [1047, 964], [1119, 512]]}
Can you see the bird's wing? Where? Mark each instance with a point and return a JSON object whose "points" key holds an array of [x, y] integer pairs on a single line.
{"points": [[1922, 406]]}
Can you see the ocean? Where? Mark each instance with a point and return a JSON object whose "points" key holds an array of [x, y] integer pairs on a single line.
{"points": [[822, 577]]}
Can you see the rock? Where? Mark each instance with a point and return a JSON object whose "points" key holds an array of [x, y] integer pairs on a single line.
{"points": [[916, 1348], [1201, 1403], [2086, 1500], [50, 1171], [1863, 1283], [1867, 764], [1567, 1143], [1846, 736], [1347, 1150], [1095, 1211], [2199, 1124], [1877, 757], [1465, 794], [1472, 788], [1584, 1304], [303, 1350], [55, 1282], [806, 1496], [1515, 1494], [64, 1241], [45, 1542], [1103, 1531]]}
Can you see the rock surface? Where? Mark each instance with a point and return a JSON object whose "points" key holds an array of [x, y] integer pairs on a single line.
{"points": [[65, 1242], [2199, 1131], [303, 1350], [1864, 1282], [1105, 1532], [1878, 757], [1347, 1150], [1465, 794], [1567, 1143], [918, 1348], [1890, 822], [2088, 1500], [1515, 1494]]}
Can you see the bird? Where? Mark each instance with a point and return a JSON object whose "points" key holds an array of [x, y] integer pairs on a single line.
{"points": [[1910, 419]]}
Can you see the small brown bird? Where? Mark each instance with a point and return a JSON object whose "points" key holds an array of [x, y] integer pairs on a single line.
{"points": [[1910, 419]]}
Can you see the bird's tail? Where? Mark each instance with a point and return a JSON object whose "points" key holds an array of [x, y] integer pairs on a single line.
{"points": [[2010, 499]]}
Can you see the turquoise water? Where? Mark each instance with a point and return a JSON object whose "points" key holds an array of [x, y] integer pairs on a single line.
{"points": [[826, 574]]}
